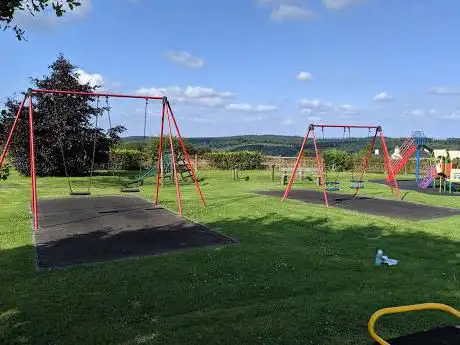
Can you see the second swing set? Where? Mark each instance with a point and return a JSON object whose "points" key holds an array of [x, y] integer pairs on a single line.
{"points": [[357, 182]]}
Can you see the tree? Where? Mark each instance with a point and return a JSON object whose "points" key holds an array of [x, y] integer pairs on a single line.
{"points": [[152, 146], [338, 160], [63, 126], [8, 9]]}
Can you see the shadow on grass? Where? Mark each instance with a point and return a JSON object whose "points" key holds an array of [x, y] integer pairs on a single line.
{"points": [[289, 281]]}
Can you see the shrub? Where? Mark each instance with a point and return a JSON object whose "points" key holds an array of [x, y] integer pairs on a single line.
{"points": [[4, 172], [338, 160], [128, 159], [245, 160]]}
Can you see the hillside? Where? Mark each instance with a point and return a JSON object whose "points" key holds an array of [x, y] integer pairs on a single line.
{"points": [[275, 145]]}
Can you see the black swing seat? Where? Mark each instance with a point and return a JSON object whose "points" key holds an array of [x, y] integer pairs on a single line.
{"points": [[79, 193], [357, 184], [130, 190]]}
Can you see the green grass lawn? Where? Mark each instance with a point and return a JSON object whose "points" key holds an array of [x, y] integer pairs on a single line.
{"points": [[301, 274]]}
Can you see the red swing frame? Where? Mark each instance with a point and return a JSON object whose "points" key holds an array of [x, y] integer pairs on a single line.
{"points": [[393, 183], [165, 112]]}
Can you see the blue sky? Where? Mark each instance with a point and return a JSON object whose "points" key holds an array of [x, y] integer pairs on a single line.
{"points": [[257, 66]]}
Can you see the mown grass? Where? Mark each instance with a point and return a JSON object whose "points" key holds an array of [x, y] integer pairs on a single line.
{"points": [[300, 274]]}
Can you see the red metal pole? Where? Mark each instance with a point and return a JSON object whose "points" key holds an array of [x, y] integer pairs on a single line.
{"points": [[95, 94], [160, 153], [319, 164], [173, 156], [187, 158], [296, 166], [366, 161], [389, 167], [369, 155], [346, 126], [10, 135], [32, 164]]}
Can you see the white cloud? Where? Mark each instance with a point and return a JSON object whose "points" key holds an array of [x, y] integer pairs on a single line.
{"points": [[432, 111], [383, 97], [201, 119], [185, 59], [339, 4], [287, 121], [309, 106], [349, 109], [252, 118], [304, 76], [93, 79], [316, 107], [454, 115], [290, 12], [249, 108], [314, 119], [414, 112], [194, 95], [444, 90]]}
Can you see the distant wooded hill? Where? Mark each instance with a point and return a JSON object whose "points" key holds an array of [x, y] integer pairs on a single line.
{"points": [[276, 145]]}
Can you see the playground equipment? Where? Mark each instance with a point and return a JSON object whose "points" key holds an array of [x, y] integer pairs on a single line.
{"points": [[448, 335], [166, 113], [166, 173], [443, 165], [328, 184]]}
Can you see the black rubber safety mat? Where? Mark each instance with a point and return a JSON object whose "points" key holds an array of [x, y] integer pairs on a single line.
{"points": [[81, 230], [448, 335], [412, 185], [374, 206]]}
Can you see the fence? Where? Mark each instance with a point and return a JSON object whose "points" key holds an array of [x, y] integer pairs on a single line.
{"points": [[376, 164], [286, 164]]}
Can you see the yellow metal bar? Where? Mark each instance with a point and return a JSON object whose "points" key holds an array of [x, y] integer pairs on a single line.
{"points": [[404, 309]]}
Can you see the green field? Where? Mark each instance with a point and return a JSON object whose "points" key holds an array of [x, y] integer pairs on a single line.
{"points": [[301, 274]]}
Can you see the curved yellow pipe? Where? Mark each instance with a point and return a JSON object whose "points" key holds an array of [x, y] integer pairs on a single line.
{"points": [[405, 309]]}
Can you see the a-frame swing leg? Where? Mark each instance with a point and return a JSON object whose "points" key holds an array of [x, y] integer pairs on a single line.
{"points": [[186, 156], [173, 157], [388, 167], [33, 174], [367, 159], [296, 166], [319, 165], [160, 154], [13, 128]]}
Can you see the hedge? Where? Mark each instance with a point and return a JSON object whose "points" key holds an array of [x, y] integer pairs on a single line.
{"points": [[128, 159], [245, 160]]}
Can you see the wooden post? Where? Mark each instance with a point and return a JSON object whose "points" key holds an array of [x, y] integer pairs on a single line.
{"points": [[196, 163], [272, 172], [301, 170], [280, 161]]}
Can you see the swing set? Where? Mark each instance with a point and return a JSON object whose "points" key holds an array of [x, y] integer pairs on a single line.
{"points": [[332, 183], [166, 114]]}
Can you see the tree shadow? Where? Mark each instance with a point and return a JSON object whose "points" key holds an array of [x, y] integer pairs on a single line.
{"points": [[290, 280]]}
